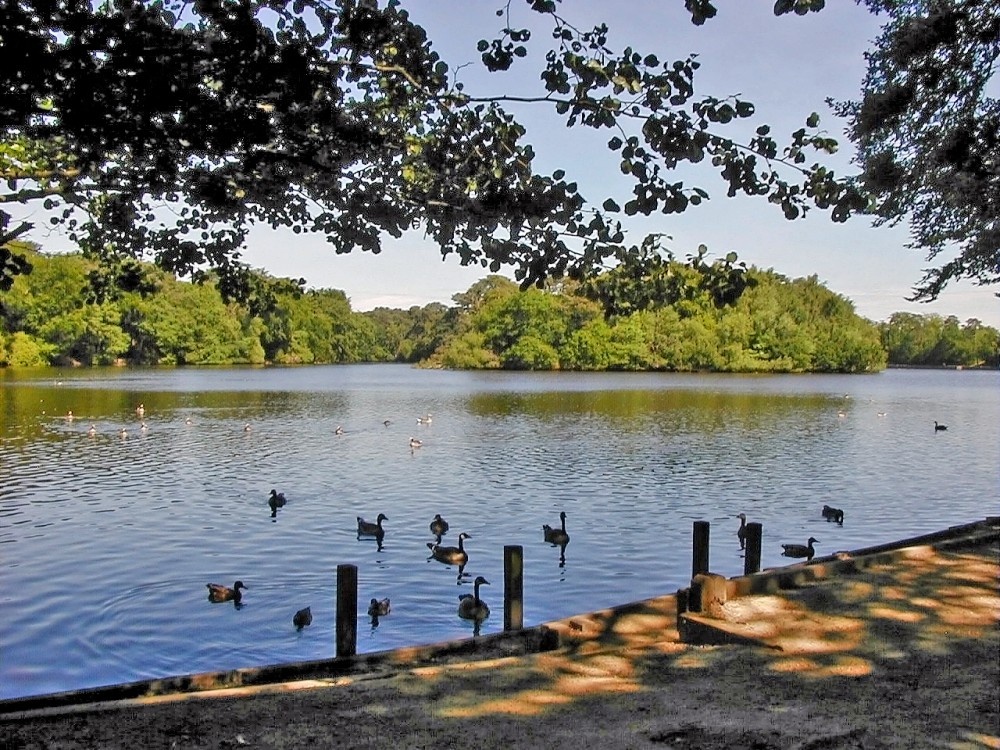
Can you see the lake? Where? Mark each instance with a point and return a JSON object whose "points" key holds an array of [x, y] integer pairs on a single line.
{"points": [[107, 541]]}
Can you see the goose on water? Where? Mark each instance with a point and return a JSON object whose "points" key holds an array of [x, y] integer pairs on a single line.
{"points": [[92, 431], [800, 550], [939, 427], [451, 555], [378, 608], [741, 532], [414, 443], [302, 618], [833, 514], [427, 419], [367, 528], [439, 526], [219, 593], [556, 536], [275, 501], [470, 606]]}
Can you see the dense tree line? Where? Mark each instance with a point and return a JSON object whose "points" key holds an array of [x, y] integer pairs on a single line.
{"points": [[936, 341], [776, 325]]}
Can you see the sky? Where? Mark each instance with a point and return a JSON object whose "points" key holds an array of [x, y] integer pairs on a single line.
{"points": [[786, 66]]}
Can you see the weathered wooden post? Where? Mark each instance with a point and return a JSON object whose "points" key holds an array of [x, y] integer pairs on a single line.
{"points": [[513, 587], [347, 610], [699, 556], [751, 559]]}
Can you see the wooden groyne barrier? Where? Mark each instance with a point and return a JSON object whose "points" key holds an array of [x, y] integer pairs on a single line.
{"points": [[699, 606], [694, 607]]}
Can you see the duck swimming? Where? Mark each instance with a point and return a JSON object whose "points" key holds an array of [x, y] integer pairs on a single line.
{"points": [[378, 608], [556, 536], [92, 431], [425, 419], [800, 550], [367, 528], [833, 514], [275, 501], [470, 606], [451, 555], [439, 527], [219, 593], [303, 618]]}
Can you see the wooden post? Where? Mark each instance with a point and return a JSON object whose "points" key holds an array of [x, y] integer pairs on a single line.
{"points": [[513, 587], [699, 556], [751, 560], [347, 610]]}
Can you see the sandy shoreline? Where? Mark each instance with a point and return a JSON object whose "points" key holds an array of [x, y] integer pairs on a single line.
{"points": [[904, 652]]}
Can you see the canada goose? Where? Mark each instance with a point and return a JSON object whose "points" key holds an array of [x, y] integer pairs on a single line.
{"points": [[140, 411], [427, 419], [470, 606], [451, 555], [69, 416], [387, 422], [741, 532], [833, 514], [248, 428], [556, 536], [366, 528], [800, 550], [219, 593], [189, 421], [143, 426], [275, 501], [414, 443], [439, 526], [302, 618], [940, 427], [339, 430], [378, 608], [123, 432], [92, 431]]}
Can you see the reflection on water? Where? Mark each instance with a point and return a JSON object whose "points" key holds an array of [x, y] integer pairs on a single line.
{"points": [[107, 541]]}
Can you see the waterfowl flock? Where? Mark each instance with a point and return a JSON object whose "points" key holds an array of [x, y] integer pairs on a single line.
{"points": [[470, 606]]}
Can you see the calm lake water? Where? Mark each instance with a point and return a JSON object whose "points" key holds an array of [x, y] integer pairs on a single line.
{"points": [[107, 542]]}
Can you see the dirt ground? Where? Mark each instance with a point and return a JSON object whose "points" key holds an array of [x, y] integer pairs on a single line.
{"points": [[904, 654]]}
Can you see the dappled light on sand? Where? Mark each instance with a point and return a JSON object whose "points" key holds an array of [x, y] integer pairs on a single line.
{"points": [[909, 635], [846, 625]]}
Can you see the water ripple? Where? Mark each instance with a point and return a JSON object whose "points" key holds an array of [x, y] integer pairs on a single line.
{"points": [[116, 537]]}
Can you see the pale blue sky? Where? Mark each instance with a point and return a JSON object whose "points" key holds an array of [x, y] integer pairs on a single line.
{"points": [[787, 66]]}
